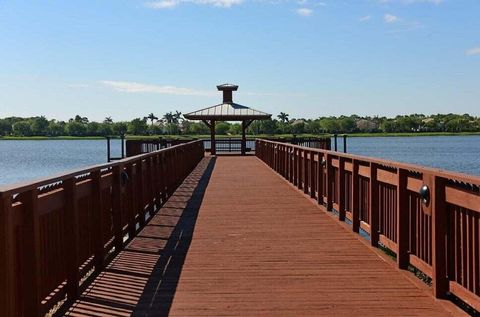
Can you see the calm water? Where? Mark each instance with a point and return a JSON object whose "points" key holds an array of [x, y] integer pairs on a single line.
{"points": [[25, 160]]}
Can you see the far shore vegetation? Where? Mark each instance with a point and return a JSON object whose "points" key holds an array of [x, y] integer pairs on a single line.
{"points": [[173, 125]]}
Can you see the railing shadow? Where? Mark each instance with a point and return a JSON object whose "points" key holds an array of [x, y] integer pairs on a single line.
{"points": [[143, 278]]}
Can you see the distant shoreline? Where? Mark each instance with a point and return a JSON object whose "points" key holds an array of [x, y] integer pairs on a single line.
{"points": [[133, 137]]}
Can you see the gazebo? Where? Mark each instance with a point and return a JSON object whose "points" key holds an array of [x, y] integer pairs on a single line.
{"points": [[227, 111]]}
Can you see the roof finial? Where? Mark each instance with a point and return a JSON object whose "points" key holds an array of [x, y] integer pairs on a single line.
{"points": [[227, 92]]}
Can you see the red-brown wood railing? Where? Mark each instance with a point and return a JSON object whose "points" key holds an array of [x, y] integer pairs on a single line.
{"points": [[57, 231], [440, 236]]}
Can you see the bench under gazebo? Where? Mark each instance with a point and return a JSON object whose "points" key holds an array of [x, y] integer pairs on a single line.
{"points": [[227, 111]]}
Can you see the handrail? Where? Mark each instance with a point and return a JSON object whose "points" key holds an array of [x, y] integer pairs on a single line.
{"points": [[430, 218], [55, 231]]}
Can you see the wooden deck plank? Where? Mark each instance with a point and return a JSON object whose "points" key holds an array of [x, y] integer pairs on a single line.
{"points": [[258, 248]]}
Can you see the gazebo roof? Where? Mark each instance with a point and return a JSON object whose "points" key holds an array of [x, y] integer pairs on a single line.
{"points": [[228, 110]]}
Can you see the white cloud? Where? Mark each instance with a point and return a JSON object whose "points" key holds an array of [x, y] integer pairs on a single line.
{"points": [[168, 4], [365, 18], [304, 12], [390, 18], [133, 87], [473, 51], [436, 2]]}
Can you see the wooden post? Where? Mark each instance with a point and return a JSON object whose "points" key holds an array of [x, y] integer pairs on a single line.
{"points": [[71, 237], [313, 175], [132, 223], [341, 188], [373, 203], [244, 139], [117, 206], [320, 179], [305, 172], [99, 256], [355, 197], [402, 219], [439, 232], [140, 194], [7, 257], [30, 274], [329, 176], [213, 150]]}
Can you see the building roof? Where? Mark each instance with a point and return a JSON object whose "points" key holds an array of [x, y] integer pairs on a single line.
{"points": [[227, 112]]}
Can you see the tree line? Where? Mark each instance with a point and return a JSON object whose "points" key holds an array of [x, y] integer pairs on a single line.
{"points": [[173, 123]]}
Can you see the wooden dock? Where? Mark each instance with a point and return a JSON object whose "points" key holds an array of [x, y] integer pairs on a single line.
{"points": [[236, 239], [291, 231]]}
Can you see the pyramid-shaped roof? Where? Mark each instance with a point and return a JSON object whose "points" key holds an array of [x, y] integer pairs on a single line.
{"points": [[228, 110]]}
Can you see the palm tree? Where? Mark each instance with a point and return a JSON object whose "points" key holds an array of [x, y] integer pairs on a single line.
{"points": [[108, 120], [151, 117], [283, 117], [169, 117], [177, 116]]}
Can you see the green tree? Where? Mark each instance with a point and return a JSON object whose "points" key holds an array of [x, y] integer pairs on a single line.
{"points": [[56, 128], [39, 126], [152, 118], [222, 128], [120, 128], [22, 128], [75, 128], [283, 117], [138, 127], [5, 127]]}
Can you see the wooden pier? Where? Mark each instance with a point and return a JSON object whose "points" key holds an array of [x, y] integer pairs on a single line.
{"points": [[274, 234]]}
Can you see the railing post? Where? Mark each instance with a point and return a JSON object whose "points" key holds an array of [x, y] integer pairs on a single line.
{"points": [[140, 194], [439, 232], [355, 197], [30, 274], [329, 176], [305, 171], [131, 212], [373, 203], [402, 219], [320, 173], [7, 257], [295, 166], [312, 174], [117, 206], [341, 188], [99, 257], [71, 237]]}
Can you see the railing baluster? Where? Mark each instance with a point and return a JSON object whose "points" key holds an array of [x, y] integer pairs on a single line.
{"points": [[7, 258], [71, 238], [355, 197], [99, 256], [373, 204], [30, 274], [117, 206], [341, 188], [402, 219]]}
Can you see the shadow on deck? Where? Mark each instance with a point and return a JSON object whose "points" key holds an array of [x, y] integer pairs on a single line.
{"points": [[142, 279]]}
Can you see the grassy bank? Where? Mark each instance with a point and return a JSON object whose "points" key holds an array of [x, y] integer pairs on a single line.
{"points": [[137, 137]]}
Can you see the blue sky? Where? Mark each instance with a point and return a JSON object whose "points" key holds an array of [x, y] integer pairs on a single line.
{"points": [[127, 58]]}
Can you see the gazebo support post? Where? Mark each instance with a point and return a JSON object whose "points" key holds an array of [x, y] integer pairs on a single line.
{"points": [[245, 125], [213, 144], [244, 139]]}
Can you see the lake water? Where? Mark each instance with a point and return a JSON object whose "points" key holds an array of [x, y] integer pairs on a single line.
{"points": [[26, 160]]}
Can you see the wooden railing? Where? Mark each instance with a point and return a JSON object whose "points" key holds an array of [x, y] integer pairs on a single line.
{"points": [[136, 147], [430, 218], [56, 232]]}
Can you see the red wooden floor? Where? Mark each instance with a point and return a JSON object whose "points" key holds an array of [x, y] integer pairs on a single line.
{"points": [[237, 240]]}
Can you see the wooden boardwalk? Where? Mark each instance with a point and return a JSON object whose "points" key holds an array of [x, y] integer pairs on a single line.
{"points": [[238, 240]]}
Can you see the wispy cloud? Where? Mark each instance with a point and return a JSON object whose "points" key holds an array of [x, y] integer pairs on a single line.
{"points": [[390, 18], [133, 87], [365, 18], [436, 2], [305, 12], [168, 4], [473, 51]]}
